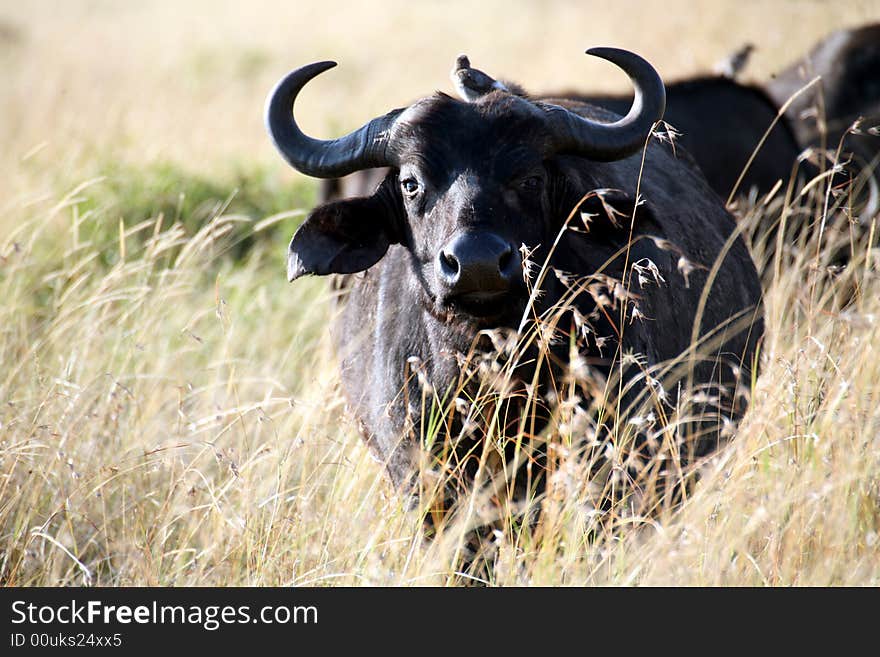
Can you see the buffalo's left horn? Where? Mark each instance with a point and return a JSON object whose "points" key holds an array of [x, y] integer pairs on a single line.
{"points": [[365, 148], [612, 141]]}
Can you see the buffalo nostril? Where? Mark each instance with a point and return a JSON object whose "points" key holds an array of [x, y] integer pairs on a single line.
{"points": [[505, 259], [449, 263]]}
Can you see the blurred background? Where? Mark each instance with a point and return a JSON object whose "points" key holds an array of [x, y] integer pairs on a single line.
{"points": [[164, 80]]}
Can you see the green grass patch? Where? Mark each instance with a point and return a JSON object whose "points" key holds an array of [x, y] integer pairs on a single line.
{"points": [[266, 206]]}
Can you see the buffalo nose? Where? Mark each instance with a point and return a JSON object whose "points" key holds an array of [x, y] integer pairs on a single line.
{"points": [[477, 263]]}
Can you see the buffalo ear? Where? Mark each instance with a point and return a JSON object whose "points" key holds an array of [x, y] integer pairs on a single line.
{"points": [[341, 237], [608, 211]]}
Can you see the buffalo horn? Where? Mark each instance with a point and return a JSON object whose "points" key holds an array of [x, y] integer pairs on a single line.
{"points": [[574, 134], [365, 148]]}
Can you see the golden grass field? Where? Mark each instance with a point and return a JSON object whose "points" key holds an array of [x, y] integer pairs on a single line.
{"points": [[170, 414]]}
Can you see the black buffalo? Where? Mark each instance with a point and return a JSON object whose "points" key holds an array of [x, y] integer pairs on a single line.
{"points": [[450, 244], [823, 115]]}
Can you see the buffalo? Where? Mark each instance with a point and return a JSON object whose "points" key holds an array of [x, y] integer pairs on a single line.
{"points": [[842, 109], [557, 242]]}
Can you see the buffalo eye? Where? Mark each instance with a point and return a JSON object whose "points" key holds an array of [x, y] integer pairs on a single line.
{"points": [[531, 185], [410, 187]]}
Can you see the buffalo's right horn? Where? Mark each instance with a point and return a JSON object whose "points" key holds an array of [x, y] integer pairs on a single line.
{"points": [[365, 148], [576, 134]]}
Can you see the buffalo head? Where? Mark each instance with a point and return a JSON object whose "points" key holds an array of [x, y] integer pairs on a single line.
{"points": [[469, 185]]}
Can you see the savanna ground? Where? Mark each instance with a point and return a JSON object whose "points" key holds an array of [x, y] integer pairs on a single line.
{"points": [[169, 405]]}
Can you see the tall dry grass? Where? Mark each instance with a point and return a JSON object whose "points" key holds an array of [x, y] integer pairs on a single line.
{"points": [[171, 415]]}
